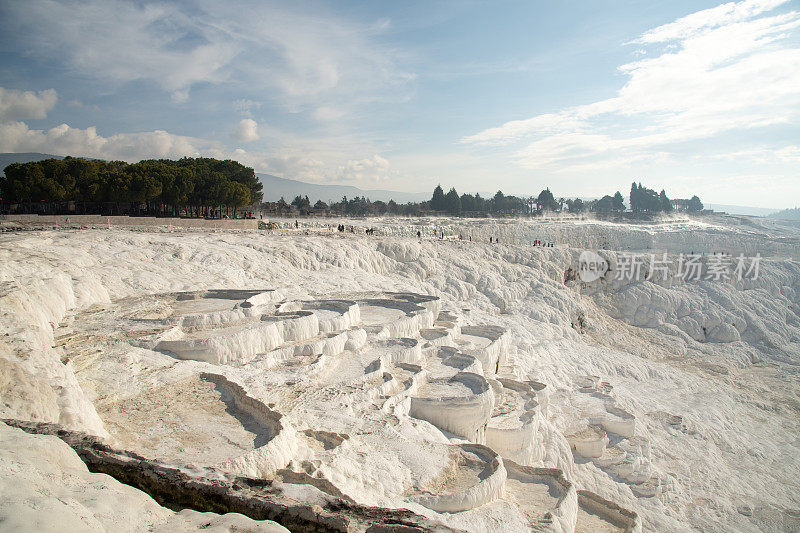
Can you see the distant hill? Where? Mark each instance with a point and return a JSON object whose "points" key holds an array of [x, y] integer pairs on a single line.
{"points": [[7, 159], [742, 210], [275, 188], [787, 214]]}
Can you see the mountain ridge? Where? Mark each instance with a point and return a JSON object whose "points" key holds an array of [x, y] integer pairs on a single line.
{"points": [[275, 188]]}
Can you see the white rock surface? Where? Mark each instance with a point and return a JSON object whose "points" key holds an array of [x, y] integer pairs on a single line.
{"points": [[707, 370], [44, 486]]}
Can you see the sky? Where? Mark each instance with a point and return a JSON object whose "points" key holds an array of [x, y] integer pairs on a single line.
{"points": [[583, 97]]}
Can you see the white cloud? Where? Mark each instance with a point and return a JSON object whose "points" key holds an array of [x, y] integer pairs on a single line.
{"points": [[65, 140], [16, 105], [515, 130], [304, 167], [179, 96], [124, 41], [373, 169], [314, 161], [303, 53], [327, 113], [726, 69], [310, 57], [709, 18], [763, 155], [246, 130], [245, 107]]}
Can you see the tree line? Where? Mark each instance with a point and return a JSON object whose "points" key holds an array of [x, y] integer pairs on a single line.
{"points": [[500, 204], [450, 203], [211, 188], [194, 187], [359, 206], [644, 202]]}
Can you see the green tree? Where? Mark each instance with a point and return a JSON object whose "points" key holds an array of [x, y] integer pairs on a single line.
{"points": [[177, 190], [515, 205], [437, 200], [546, 202], [618, 203], [666, 205], [634, 198], [575, 206], [86, 175], [452, 202], [499, 202], [695, 205], [283, 207], [111, 186], [160, 184], [237, 195], [644, 200], [480, 203], [604, 205], [303, 204], [468, 202], [649, 200], [27, 182]]}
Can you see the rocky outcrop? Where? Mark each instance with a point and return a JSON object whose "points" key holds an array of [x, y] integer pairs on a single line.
{"points": [[211, 491]]}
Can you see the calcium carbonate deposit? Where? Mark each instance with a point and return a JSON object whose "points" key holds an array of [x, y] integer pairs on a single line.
{"points": [[458, 384]]}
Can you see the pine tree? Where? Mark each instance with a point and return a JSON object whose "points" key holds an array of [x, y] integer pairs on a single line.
{"points": [[499, 202], [695, 205], [666, 205], [437, 201], [452, 202], [618, 203], [546, 201]]}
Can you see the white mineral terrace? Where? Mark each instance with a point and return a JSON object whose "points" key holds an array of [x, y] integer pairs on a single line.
{"points": [[481, 387], [393, 351]]}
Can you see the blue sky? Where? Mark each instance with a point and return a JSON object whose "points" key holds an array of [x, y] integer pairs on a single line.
{"points": [[582, 97]]}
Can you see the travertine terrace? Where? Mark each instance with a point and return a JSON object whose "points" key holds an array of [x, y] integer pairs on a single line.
{"points": [[471, 386]]}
